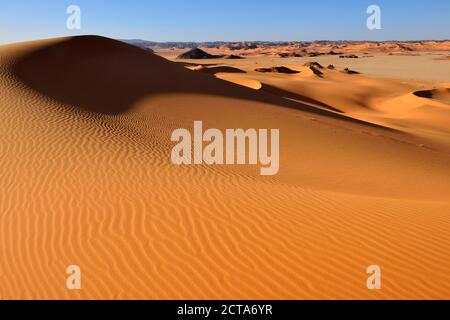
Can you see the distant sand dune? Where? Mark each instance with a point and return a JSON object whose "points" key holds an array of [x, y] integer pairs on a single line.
{"points": [[252, 84], [86, 179]]}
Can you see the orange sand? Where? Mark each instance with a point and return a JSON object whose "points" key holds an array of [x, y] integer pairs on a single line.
{"points": [[86, 179]]}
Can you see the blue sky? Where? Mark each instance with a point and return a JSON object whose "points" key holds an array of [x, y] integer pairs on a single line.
{"points": [[229, 20]]}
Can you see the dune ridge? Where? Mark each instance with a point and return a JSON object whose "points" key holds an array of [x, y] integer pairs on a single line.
{"points": [[86, 177]]}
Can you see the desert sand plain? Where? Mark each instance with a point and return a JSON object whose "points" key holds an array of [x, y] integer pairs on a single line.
{"points": [[86, 176]]}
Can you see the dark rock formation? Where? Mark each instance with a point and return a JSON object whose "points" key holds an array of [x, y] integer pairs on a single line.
{"points": [[348, 71], [277, 70], [313, 64], [197, 53], [350, 56]]}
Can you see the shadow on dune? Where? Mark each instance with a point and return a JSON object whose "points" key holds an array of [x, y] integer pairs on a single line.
{"points": [[441, 95], [223, 69], [424, 94], [297, 97], [191, 64], [106, 76]]}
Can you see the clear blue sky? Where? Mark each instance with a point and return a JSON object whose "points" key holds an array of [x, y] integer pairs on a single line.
{"points": [[227, 20]]}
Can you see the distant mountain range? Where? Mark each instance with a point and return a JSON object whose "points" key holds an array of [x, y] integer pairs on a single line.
{"points": [[300, 48], [255, 44]]}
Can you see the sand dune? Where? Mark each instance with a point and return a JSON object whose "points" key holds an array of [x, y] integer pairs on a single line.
{"points": [[85, 127], [249, 83]]}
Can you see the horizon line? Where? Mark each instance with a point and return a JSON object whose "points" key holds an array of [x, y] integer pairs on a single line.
{"points": [[280, 41], [225, 41]]}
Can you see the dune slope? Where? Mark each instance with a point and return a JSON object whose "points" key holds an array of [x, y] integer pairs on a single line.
{"points": [[86, 179]]}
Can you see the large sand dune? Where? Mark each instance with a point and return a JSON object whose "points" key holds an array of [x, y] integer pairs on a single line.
{"points": [[86, 179]]}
